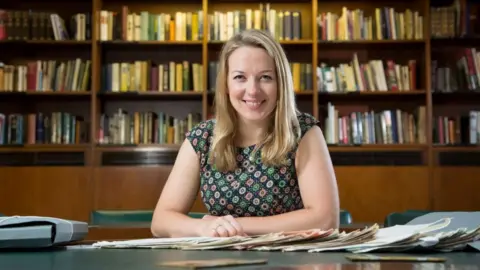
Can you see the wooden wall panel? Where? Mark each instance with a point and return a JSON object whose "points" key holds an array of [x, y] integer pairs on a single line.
{"points": [[129, 187], [132, 188], [47, 191], [371, 193], [456, 188]]}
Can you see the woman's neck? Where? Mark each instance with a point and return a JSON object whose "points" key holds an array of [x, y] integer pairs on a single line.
{"points": [[250, 133]]}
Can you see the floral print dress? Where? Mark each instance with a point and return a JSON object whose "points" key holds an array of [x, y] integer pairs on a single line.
{"points": [[252, 189]]}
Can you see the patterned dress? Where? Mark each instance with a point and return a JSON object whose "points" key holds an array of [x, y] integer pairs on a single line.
{"points": [[253, 189]]}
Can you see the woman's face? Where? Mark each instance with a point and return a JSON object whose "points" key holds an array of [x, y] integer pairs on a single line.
{"points": [[252, 83]]}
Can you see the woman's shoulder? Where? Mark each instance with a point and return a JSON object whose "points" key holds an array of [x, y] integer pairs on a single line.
{"points": [[306, 121], [200, 135]]}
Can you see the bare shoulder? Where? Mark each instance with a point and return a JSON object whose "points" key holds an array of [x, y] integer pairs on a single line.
{"points": [[312, 152]]}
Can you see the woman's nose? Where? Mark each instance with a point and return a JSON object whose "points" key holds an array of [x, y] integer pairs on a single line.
{"points": [[252, 86]]}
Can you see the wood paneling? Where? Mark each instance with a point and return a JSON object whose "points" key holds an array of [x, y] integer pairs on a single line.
{"points": [[456, 188], [132, 188], [128, 188], [371, 193], [47, 191]]}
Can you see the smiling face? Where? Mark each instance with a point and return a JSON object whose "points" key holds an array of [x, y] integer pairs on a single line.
{"points": [[252, 83]]}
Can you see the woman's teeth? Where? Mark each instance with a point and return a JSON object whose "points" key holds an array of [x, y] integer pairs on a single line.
{"points": [[253, 104]]}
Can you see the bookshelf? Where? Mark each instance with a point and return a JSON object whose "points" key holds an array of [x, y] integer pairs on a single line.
{"points": [[114, 80]]}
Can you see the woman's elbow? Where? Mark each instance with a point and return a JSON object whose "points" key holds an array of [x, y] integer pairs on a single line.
{"points": [[155, 229], [327, 221]]}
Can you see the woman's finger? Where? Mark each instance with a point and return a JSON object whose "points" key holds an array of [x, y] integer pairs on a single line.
{"points": [[222, 231], [232, 231], [235, 224]]}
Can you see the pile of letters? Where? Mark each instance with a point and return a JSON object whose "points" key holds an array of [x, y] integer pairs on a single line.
{"points": [[397, 238]]}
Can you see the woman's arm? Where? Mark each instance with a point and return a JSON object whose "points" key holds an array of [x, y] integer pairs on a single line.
{"points": [[318, 188], [178, 195]]}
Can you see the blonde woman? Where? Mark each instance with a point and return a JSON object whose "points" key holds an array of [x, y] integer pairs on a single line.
{"points": [[261, 165]]}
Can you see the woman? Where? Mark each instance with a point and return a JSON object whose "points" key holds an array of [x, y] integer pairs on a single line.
{"points": [[261, 165]]}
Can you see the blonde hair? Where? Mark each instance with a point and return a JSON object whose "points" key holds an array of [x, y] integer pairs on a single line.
{"points": [[284, 130]]}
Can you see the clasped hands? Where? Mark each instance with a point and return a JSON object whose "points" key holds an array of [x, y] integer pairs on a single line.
{"points": [[224, 226]]}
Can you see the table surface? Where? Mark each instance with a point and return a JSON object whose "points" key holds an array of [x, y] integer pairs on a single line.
{"points": [[149, 259]]}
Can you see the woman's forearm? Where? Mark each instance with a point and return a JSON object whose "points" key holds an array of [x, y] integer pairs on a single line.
{"points": [[303, 219], [174, 224]]}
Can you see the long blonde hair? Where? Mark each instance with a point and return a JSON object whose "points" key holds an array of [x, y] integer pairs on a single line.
{"points": [[284, 130]]}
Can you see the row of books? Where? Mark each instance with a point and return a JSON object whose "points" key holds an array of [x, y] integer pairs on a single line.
{"points": [[147, 76], [372, 76], [462, 129], [40, 25], [462, 73], [375, 127], [360, 128], [282, 24], [46, 75], [385, 24], [145, 127], [42, 128], [459, 73], [144, 25]]}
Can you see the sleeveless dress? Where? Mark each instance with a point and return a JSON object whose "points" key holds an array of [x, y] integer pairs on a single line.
{"points": [[252, 189]]}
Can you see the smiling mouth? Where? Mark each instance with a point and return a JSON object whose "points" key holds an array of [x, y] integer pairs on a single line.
{"points": [[253, 104]]}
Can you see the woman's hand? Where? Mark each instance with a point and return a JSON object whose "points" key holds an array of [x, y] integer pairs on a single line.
{"points": [[225, 226]]}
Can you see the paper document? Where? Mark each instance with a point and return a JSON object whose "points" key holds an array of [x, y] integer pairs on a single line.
{"points": [[373, 238]]}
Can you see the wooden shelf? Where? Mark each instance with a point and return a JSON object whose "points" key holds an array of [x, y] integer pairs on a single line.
{"points": [[45, 96], [378, 147], [136, 148], [456, 148], [372, 42], [46, 42], [44, 147], [151, 95], [150, 42]]}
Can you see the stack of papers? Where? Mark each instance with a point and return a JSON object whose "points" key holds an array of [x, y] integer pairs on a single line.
{"points": [[397, 238]]}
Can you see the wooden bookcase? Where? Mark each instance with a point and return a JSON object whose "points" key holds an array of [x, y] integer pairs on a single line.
{"points": [[101, 169]]}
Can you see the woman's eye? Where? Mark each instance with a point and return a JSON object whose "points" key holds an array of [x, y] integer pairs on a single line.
{"points": [[238, 77], [266, 77]]}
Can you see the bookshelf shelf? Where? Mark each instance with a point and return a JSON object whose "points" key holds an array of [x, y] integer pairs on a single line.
{"points": [[60, 93], [378, 147], [45, 96], [136, 147], [372, 42], [456, 98], [377, 93], [455, 42], [44, 147], [456, 148], [152, 96], [149, 42], [46, 42]]}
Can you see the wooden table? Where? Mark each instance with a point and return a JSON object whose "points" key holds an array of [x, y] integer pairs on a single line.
{"points": [[74, 258]]}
